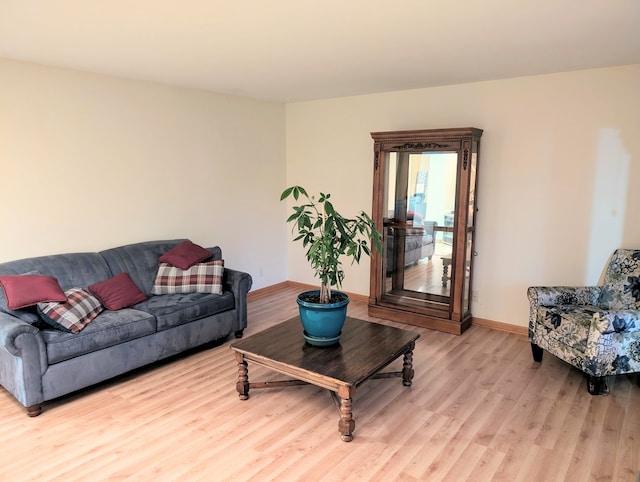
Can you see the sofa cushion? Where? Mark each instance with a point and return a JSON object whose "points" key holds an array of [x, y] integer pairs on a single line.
{"points": [[107, 329], [29, 289], [72, 270], [176, 309], [118, 292], [74, 314], [185, 255], [199, 278], [412, 243], [140, 260]]}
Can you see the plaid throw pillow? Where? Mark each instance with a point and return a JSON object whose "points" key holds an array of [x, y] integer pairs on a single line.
{"points": [[200, 278], [74, 314]]}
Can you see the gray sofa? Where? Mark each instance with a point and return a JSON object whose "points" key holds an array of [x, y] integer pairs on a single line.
{"points": [[417, 246], [40, 363]]}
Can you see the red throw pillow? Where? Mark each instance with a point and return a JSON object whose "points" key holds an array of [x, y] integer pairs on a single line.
{"points": [[117, 292], [24, 290], [185, 255]]}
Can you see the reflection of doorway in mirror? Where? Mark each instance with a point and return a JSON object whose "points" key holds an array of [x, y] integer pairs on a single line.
{"points": [[441, 186]]}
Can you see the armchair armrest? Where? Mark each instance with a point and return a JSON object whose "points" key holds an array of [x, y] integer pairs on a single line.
{"points": [[612, 335], [563, 295], [618, 321], [559, 296]]}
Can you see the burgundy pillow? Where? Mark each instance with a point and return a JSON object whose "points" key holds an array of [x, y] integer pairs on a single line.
{"points": [[185, 255], [117, 292], [24, 290]]}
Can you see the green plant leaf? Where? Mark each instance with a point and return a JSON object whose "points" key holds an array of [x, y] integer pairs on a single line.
{"points": [[328, 236]]}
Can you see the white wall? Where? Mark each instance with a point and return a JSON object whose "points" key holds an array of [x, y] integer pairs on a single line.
{"points": [[558, 174], [89, 162]]}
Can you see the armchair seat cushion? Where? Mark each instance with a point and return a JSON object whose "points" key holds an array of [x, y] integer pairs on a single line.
{"points": [[568, 324]]}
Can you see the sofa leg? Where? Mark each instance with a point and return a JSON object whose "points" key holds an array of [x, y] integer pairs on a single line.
{"points": [[34, 410], [537, 352], [597, 385], [239, 333]]}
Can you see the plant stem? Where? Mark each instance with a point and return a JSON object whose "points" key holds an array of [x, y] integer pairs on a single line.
{"points": [[325, 293]]}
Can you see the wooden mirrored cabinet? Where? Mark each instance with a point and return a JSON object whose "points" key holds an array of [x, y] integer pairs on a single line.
{"points": [[424, 202]]}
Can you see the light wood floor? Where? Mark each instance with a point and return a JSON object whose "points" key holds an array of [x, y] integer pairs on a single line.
{"points": [[479, 409]]}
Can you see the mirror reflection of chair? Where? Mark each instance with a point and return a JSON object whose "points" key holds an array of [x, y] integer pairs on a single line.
{"points": [[594, 328]]}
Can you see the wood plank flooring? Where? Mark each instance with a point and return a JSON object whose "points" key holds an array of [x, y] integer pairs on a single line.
{"points": [[479, 409]]}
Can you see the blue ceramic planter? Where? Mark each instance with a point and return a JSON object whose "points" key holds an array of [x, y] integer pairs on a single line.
{"points": [[322, 323]]}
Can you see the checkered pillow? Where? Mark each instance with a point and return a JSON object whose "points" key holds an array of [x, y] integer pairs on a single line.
{"points": [[74, 314], [200, 278]]}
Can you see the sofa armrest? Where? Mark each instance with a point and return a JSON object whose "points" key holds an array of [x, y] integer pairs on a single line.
{"points": [[23, 340], [23, 360], [564, 295], [239, 283], [11, 328], [429, 227]]}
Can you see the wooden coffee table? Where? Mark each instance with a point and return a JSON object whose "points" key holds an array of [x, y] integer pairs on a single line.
{"points": [[365, 348]]}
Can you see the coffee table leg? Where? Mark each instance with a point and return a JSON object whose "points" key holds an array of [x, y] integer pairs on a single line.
{"points": [[242, 384], [346, 424], [407, 367]]}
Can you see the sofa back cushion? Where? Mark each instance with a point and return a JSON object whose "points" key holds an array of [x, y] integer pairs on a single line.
{"points": [[73, 270], [621, 288], [141, 260]]}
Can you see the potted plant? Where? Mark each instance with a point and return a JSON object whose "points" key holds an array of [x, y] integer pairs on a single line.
{"points": [[328, 237]]}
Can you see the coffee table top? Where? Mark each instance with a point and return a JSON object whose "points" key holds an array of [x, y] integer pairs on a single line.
{"points": [[365, 348]]}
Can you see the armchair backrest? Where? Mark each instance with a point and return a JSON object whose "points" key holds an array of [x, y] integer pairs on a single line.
{"points": [[621, 288]]}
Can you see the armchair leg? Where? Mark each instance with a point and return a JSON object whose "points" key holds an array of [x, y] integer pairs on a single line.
{"points": [[537, 352], [597, 385], [239, 333]]}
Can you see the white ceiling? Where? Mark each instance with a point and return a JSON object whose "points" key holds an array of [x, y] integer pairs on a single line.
{"points": [[291, 50]]}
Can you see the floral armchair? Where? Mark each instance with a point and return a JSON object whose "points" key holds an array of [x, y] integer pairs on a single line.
{"points": [[594, 328]]}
